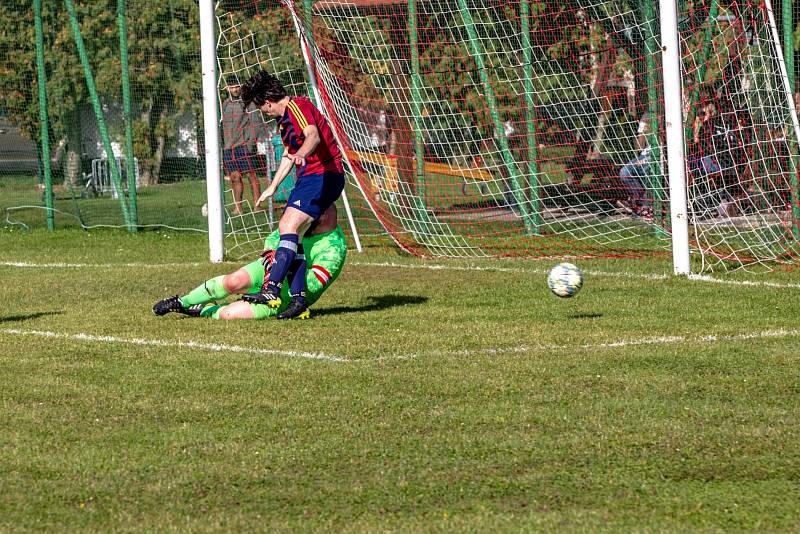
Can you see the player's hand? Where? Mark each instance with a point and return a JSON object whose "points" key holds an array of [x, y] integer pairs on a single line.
{"points": [[268, 192], [297, 159]]}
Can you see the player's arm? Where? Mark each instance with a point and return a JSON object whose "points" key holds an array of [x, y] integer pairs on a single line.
{"points": [[284, 168], [310, 143]]}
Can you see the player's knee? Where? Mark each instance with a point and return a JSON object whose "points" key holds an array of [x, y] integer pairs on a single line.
{"points": [[237, 281], [226, 314], [287, 227], [236, 310]]}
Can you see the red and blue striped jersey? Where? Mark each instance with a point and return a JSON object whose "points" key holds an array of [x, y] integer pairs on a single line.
{"points": [[301, 113]]}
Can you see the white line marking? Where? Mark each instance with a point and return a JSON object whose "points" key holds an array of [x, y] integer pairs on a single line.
{"points": [[704, 278], [618, 274], [27, 265], [426, 266], [439, 267], [216, 347], [213, 347], [661, 340]]}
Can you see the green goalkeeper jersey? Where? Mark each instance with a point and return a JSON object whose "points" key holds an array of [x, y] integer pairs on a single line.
{"points": [[325, 255]]}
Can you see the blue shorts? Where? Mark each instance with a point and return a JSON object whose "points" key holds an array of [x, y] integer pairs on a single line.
{"points": [[238, 159], [315, 193]]}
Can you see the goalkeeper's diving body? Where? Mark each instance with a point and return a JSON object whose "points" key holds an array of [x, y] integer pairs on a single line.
{"points": [[325, 251], [312, 148]]}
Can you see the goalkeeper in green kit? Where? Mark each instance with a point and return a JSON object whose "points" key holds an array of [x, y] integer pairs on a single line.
{"points": [[325, 251]]}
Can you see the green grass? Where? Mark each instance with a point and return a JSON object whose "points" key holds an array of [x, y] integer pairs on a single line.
{"points": [[470, 399], [175, 205]]}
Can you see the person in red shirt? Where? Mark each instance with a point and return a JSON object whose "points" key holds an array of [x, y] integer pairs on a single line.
{"points": [[311, 149]]}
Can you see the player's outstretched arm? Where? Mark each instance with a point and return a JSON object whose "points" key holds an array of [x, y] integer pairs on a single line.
{"points": [[285, 167]]}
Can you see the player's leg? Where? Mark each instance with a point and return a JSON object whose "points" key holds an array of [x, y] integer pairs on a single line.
{"points": [[243, 310], [298, 305], [331, 188], [292, 225], [238, 188], [251, 164], [235, 310], [244, 280], [233, 176], [255, 187], [312, 195]]}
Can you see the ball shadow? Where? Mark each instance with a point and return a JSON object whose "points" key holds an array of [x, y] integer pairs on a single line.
{"points": [[585, 315]]}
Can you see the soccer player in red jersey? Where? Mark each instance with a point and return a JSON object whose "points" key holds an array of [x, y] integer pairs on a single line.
{"points": [[311, 148]]}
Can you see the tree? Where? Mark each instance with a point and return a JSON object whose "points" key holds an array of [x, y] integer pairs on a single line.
{"points": [[164, 71]]}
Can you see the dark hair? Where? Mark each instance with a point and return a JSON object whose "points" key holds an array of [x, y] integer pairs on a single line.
{"points": [[262, 87], [232, 80]]}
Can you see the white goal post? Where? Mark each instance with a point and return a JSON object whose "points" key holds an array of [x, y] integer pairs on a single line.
{"points": [[673, 115], [208, 50]]}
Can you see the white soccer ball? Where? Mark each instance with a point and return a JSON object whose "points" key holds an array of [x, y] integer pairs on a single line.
{"points": [[565, 280], [204, 210]]}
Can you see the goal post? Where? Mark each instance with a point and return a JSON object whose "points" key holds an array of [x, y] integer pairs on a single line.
{"points": [[208, 48], [673, 119]]}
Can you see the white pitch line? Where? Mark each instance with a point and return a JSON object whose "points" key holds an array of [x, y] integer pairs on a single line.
{"points": [[213, 347], [661, 340], [776, 285], [611, 274], [28, 265], [439, 267], [425, 266]]}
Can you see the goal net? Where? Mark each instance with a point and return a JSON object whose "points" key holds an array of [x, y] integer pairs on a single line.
{"points": [[502, 128]]}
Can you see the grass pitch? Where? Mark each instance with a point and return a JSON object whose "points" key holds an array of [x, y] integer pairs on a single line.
{"points": [[423, 396]]}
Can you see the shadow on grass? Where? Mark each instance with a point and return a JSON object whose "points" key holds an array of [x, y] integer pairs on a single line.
{"points": [[585, 315], [375, 304], [26, 316]]}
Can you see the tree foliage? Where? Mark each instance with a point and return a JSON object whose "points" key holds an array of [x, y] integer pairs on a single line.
{"points": [[163, 60]]}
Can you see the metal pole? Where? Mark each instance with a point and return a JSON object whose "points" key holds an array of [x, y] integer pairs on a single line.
{"points": [[530, 116], [795, 188], [491, 102], [656, 163], [416, 98], [208, 52], [130, 163], [673, 118], [788, 42], [98, 113], [43, 115]]}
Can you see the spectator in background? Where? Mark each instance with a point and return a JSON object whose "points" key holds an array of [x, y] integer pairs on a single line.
{"points": [[238, 136], [703, 132], [635, 171], [380, 135], [718, 155]]}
